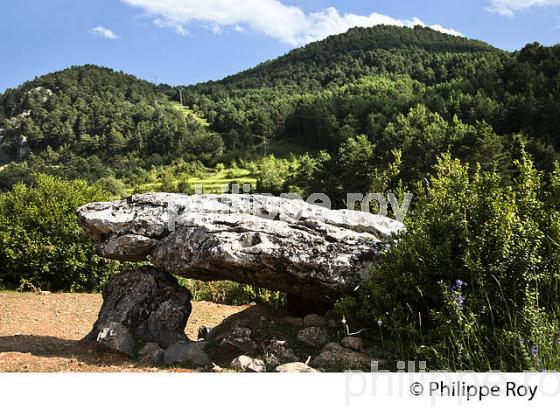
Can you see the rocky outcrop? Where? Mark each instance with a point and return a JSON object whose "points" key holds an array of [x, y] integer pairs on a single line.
{"points": [[274, 243], [141, 306]]}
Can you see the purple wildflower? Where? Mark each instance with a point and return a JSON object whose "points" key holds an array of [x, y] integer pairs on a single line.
{"points": [[535, 354], [460, 299]]}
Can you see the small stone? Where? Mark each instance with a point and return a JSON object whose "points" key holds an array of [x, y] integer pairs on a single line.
{"points": [[313, 336], [332, 324], [314, 321], [237, 343], [185, 353], [248, 364], [296, 367], [354, 343], [216, 369], [337, 358], [115, 336], [152, 353], [203, 332], [278, 351]]}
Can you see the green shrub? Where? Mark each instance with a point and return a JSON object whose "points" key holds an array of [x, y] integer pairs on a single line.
{"points": [[272, 174], [232, 293], [41, 244], [474, 284], [113, 186]]}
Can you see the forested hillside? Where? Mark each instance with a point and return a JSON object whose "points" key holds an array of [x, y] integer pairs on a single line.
{"points": [[473, 99], [88, 119], [359, 82]]}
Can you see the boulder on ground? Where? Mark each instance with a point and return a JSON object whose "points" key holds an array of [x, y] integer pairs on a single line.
{"points": [[238, 342], [354, 343], [313, 336], [334, 357], [187, 353]]}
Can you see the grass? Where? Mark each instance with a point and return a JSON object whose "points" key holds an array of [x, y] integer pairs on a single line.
{"points": [[189, 113], [212, 182]]}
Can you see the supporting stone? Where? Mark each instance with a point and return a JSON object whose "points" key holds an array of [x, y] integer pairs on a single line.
{"points": [[142, 305]]}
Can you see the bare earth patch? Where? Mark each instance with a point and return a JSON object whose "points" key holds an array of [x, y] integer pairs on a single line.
{"points": [[40, 333]]}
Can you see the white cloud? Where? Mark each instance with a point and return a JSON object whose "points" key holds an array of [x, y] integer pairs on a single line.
{"points": [[273, 18], [510, 7], [164, 23], [103, 32]]}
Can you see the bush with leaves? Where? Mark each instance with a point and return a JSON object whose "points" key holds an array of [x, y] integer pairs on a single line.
{"points": [[232, 293], [41, 244], [474, 283]]}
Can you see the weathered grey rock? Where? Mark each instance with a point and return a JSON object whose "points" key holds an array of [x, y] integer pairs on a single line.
{"points": [[115, 336], [314, 320], [354, 343], [149, 306], [248, 364], [296, 367], [187, 353], [237, 343], [313, 336], [278, 352], [151, 353], [282, 244], [334, 357]]}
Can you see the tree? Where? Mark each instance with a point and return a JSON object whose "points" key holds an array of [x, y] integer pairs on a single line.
{"points": [[41, 243]]}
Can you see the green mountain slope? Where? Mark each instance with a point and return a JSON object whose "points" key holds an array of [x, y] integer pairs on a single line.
{"points": [[264, 102], [89, 119], [92, 111]]}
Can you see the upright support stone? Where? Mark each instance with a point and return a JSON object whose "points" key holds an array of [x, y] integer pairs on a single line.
{"points": [[141, 306]]}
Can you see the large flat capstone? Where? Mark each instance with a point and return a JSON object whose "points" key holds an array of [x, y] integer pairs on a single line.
{"points": [[275, 243]]}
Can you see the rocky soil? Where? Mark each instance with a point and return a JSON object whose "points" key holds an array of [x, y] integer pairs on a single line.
{"points": [[44, 332], [40, 333]]}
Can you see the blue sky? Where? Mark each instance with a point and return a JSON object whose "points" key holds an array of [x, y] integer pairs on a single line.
{"points": [[188, 41]]}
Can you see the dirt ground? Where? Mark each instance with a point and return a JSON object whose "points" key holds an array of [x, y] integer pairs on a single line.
{"points": [[40, 333]]}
